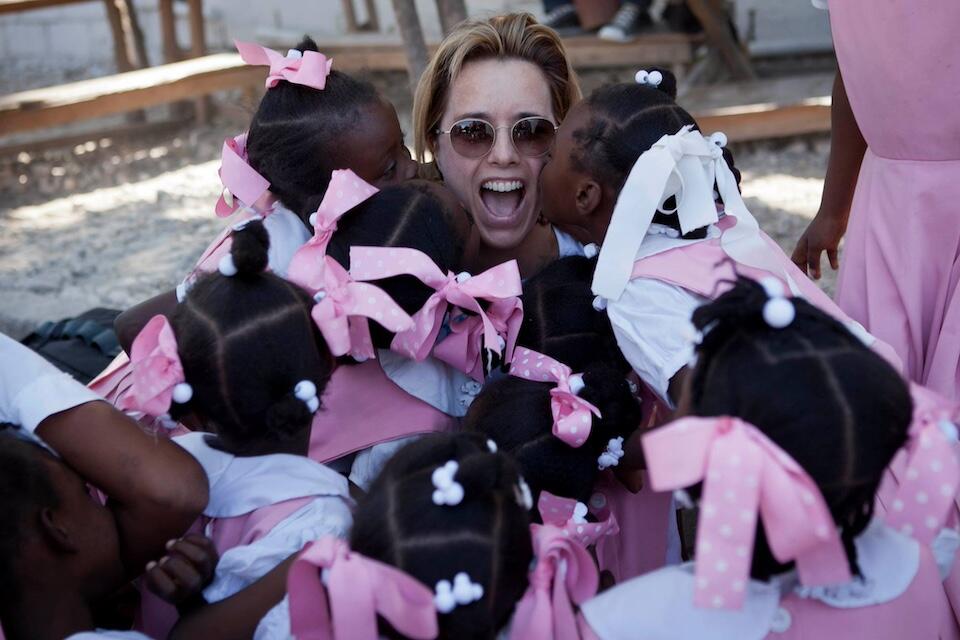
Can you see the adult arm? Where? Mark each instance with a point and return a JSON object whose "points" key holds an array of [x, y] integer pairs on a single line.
{"points": [[847, 147], [156, 489]]}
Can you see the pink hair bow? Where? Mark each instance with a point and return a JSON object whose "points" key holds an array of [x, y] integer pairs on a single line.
{"points": [[459, 290], [569, 516], [307, 68], [242, 184], [564, 575], [745, 475], [345, 191], [343, 308], [357, 589], [462, 348], [571, 413], [156, 369], [928, 486]]}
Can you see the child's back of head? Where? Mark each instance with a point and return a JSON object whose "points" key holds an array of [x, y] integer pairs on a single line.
{"points": [[444, 505]]}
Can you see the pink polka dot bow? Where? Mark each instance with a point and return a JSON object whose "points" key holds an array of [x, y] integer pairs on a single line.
{"points": [[745, 475], [155, 369], [307, 68], [926, 469], [463, 348], [564, 575], [345, 191], [343, 308], [569, 516], [242, 185], [460, 291], [572, 418], [352, 592]]}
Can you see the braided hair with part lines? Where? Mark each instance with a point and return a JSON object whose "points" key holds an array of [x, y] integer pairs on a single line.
{"points": [[560, 319], [486, 535], [626, 120], [839, 409], [516, 414], [245, 342]]}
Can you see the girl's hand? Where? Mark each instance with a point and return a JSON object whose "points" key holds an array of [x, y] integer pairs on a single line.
{"points": [[181, 575], [823, 234]]}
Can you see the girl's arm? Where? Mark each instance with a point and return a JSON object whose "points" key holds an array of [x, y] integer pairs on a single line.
{"points": [[847, 147], [238, 615], [129, 323], [156, 489]]}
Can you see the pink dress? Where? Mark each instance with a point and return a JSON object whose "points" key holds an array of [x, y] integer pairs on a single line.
{"points": [[901, 67]]}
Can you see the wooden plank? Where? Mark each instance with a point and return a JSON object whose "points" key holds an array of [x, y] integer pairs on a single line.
{"points": [[16, 6], [125, 92]]}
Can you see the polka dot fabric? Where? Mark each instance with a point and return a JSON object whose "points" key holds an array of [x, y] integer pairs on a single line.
{"points": [[156, 369], [745, 475], [569, 516], [461, 291], [242, 185], [463, 348], [572, 419], [346, 191]]}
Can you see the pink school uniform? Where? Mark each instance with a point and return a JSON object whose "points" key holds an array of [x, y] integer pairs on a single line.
{"points": [[901, 262]]}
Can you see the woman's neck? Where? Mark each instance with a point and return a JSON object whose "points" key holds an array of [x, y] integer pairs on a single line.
{"points": [[538, 249]]}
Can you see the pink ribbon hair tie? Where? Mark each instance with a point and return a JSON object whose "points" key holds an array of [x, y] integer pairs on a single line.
{"points": [[343, 307], [572, 419], [745, 475], [564, 575], [498, 284], [242, 185], [352, 592], [307, 68], [345, 191], [569, 516], [157, 375], [463, 348], [927, 470]]}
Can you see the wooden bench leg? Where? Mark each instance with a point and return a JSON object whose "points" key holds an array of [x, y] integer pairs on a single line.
{"points": [[198, 47], [128, 47], [715, 22]]}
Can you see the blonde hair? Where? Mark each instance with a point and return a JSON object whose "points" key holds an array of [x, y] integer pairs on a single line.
{"points": [[514, 35]]}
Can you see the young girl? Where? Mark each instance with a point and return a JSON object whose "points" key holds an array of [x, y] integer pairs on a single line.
{"points": [[61, 551], [632, 173], [312, 120], [752, 452], [245, 357]]}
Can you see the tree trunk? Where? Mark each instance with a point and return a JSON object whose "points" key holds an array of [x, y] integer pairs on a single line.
{"points": [[452, 13], [413, 42]]}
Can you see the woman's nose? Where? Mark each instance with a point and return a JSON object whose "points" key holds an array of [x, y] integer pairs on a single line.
{"points": [[503, 151]]}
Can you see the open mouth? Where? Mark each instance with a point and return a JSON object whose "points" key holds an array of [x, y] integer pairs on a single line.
{"points": [[503, 199]]}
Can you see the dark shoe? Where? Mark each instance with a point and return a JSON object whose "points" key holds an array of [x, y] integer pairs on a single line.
{"points": [[564, 20], [626, 23]]}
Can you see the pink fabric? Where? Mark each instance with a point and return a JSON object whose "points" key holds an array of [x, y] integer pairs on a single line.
{"points": [[901, 265], [237, 531], [564, 575], [156, 369], [356, 589], [459, 291], [745, 475], [462, 349], [363, 407], [309, 69], [568, 515], [572, 419], [920, 612], [345, 191], [243, 186], [705, 269]]}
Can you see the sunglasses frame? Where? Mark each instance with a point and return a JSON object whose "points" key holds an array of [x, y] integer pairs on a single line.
{"points": [[496, 131]]}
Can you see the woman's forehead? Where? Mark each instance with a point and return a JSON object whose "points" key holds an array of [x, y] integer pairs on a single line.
{"points": [[495, 89]]}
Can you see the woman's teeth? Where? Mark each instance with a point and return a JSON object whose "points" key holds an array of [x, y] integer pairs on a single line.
{"points": [[502, 186]]}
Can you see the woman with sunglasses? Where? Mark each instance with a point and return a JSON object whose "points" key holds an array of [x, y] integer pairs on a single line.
{"points": [[487, 109]]}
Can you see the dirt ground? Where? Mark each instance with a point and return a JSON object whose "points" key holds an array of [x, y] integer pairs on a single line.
{"points": [[112, 221]]}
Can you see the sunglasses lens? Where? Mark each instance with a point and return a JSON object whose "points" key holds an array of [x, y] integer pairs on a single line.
{"points": [[472, 138], [533, 137]]}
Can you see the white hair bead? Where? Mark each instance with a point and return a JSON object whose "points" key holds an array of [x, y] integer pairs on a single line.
{"points": [[306, 391], [294, 53], [590, 251], [641, 76], [949, 429], [227, 266], [773, 287], [463, 276], [576, 384], [654, 78], [319, 296], [491, 446], [182, 393], [313, 219], [599, 303], [719, 138], [779, 313]]}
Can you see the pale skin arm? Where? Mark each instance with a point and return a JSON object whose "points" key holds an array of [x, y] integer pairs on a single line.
{"points": [[847, 147]]}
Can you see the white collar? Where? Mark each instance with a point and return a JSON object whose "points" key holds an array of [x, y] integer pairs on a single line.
{"points": [[888, 560], [432, 381], [239, 485], [656, 242]]}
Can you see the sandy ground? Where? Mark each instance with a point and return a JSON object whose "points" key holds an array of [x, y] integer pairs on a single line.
{"points": [[114, 221]]}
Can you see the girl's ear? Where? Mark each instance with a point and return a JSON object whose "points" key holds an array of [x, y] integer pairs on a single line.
{"points": [[56, 532], [588, 198]]}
